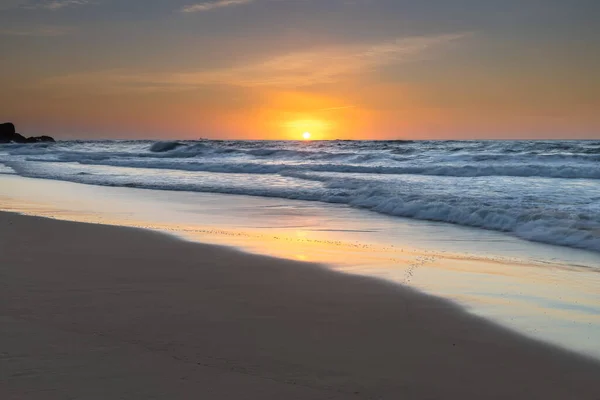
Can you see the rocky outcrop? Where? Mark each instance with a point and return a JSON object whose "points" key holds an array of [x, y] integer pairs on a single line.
{"points": [[39, 139], [8, 134]]}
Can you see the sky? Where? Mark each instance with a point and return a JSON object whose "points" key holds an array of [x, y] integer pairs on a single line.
{"points": [[274, 69]]}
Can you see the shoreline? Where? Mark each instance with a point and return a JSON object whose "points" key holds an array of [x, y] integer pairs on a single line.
{"points": [[539, 291], [149, 313]]}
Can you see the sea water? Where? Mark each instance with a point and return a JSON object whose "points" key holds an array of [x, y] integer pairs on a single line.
{"points": [[542, 191]]}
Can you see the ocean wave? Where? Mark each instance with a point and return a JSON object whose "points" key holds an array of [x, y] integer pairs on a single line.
{"points": [[465, 171], [160, 147], [542, 191], [367, 153], [533, 215]]}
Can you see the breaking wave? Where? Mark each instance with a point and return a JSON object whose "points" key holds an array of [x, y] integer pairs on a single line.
{"points": [[160, 147]]}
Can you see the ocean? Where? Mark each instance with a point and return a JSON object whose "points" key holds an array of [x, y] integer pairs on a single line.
{"points": [[543, 191]]}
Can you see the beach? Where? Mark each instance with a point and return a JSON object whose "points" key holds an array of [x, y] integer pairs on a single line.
{"points": [[269, 199], [95, 311], [544, 292]]}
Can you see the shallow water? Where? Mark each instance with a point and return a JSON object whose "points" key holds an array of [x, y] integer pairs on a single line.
{"points": [[548, 292]]}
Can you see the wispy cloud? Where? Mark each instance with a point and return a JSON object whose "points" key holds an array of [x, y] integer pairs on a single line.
{"points": [[327, 65], [56, 4], [291, 70], [208, 6], [40, 31]]}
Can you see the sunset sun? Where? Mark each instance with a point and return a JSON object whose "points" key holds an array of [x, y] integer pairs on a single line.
{"points": [[306, 135]]}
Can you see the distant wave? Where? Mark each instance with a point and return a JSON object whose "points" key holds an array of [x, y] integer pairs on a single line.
{"points": [[160, 147]]}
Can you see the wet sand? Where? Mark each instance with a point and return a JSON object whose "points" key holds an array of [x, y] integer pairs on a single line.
{"points": [[95, 311]]}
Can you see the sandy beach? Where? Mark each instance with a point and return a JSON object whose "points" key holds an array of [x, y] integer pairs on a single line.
{"points": [[94, 311]]}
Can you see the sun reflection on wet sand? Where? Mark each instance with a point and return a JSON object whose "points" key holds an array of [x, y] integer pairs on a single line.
{"points": [[558, 302]]}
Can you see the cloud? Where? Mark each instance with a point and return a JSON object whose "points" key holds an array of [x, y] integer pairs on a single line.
{"points": [[40, 31], [54, 5], [326, 65], [291, 70], [208, 6], [10, 4]]}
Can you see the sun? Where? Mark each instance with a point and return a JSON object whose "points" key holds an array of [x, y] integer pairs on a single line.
{"points": [[306, 135]]}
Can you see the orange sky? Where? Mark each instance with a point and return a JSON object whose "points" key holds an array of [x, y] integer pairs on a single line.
{"points": [[263, 69]]}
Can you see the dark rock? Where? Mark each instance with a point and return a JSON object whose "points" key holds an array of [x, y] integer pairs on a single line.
{"points": [[39, 139], [9, 135], [7, 128], [7, 132], [18, 138]]}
